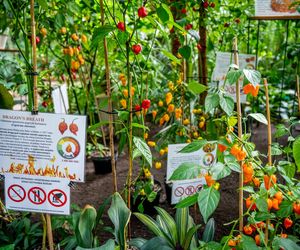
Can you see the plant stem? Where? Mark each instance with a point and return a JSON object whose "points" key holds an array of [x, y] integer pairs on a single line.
{"points": [[240, 132], [298, 92], [108, 89], [269, 148]]}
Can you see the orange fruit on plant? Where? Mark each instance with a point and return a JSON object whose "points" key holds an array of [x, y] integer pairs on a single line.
{"points": [[257, 239], [209, 180], [248, 230], [296, 208], [256, 182], [250, 203], [241, 155], [248, 169], [222, 148], [232, 243], [279, 196], [275, 204], [270, 204], [270, 181]]}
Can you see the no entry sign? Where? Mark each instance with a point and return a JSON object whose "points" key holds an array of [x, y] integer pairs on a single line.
{"points": [[37, 194]]}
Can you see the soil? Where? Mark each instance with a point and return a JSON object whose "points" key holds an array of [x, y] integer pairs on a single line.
{"points": [[98, 187]]}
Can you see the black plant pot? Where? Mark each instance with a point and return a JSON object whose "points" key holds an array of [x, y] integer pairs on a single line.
{"points": [[102, 165], [168, 187]]}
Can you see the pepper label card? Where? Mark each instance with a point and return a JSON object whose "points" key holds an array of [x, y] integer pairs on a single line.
{"points": [[276, 8], [44, 144]]}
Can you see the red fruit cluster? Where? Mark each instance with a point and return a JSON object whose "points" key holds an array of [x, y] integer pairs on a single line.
{"points": [[121, 26], [142, 12], [207, 4], [136, 48], [183, 11], [188, 26], [146, 104]]}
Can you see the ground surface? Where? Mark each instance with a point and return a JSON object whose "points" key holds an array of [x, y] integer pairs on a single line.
{"points": [[98, 187]]}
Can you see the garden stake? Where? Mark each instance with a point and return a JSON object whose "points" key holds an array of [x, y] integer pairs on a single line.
{"points": [[34, 67], [239, 117], [49, 231], [108, 89], [269, 148], [298, 92]]}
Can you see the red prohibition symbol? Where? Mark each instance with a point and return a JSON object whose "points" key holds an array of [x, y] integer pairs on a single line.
{"points": [[190, 190], [37, 195], [179, 191], [16, 193], [57, 198]]}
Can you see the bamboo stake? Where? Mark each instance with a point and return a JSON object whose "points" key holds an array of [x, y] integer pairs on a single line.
{"points": [[35, 101], [240, 132], [108, 89], [298, 92], [269, 147], [34, 64]]}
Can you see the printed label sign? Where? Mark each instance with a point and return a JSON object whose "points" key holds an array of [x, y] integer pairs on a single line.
{"points": [[275, 8], [183, 189], [223, 61], [205, 157], [43, 145], [37, 194]]}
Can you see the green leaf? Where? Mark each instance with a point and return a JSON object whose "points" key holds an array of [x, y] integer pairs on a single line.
{"points": [[212, 100], [137, 125], [296, 152], [285, 210], [156, 243], [275, 149], [227, 104], [208, 200], [209, 230], [185, 51], [196, 87], [248, 243], [8, 247], [219, 171], [188, 201], [262, 204], [119, 214], [259, 117], [170, 224], [143, 148], [43, 4], [150, 224], [100, 33], [6, 99], [193, 146], [86, 226], [137, 242], [182, 221], [109, 245], [234, 166], [163, 14], [171, 57], [232, 76], [262, 216], [186, 171], [285, 243], [252, 76], [97, 126], [281, 130], [189, 237]]}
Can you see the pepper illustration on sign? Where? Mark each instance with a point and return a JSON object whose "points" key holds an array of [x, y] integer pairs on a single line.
{"points": [[62, 127], [73, 127]]}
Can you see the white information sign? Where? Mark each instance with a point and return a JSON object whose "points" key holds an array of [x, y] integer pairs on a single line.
{"points": [[223, 61], [206, 157], [37, 194], [43, 144], [183, 189], [275, 8], [60, 99]]}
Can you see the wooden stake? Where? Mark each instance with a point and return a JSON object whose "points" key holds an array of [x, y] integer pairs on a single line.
{"points": [[35, 102], [240, 132], [49, 232], [269, 147], [108, 89], [34, 64], [298, 92]]}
